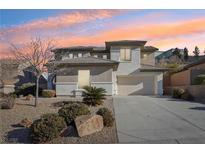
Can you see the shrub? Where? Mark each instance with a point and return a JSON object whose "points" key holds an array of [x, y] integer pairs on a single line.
{"points": [[26, 89], [48, 127], [62, 103], [48, 93], [93, 96], [187, 96], [28, 97], [71, 111], [108, 118], [177, 92], [200, 79], [8, 101]]}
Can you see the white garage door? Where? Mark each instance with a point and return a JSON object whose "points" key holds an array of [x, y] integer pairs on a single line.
{"points": [[136, 85]]}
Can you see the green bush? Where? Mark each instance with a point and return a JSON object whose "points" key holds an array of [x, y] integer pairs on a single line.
{"points": [[200, 79], [177, 92], [108, 118], [93, 96], [71, 111], [48, 127], [48, 93], [26, 89], [187, 96], [62, 103]]}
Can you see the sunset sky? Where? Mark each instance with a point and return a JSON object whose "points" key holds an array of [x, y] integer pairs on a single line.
{"points": [[163, 29]]}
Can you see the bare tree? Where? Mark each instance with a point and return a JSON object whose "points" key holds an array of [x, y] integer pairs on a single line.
{"points": [[34, 56]]}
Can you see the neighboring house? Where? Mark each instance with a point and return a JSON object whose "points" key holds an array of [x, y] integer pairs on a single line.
{"points": [[184, 79], [168, 57], [8, 75], [13, 75], [165, 57], [117, 67], [189, 72]]}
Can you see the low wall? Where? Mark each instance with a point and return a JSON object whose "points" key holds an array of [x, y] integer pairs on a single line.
{"points": [[181, 79], [67, 88], [197, 91], [6, 89], [108, 86]]}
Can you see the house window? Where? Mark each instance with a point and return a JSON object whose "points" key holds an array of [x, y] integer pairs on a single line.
{"points": [[96, 56], [104, 56], [70, 55], [144, 55], [65, 57], [125, 54], [80, 55], [83, 78]]}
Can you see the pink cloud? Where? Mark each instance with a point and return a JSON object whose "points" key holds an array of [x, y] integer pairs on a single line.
{"points": [[162, 35], [64, 20]]}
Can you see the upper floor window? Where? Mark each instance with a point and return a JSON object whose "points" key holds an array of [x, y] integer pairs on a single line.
{"points": [[80, 54], [70, 55], [104, 56], [65, 57], [75, 56], [125, 54]]}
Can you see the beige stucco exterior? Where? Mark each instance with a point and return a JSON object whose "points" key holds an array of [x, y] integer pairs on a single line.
{"points": [[140, 84], [100, 76], [97, 74]]}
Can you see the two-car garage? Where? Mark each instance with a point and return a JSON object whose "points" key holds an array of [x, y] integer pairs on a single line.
{"points": [[140, 84]]}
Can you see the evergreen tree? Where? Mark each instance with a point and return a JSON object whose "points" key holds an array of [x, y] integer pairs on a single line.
{"points": [[177, 53], [196, 52], [186, 54]]}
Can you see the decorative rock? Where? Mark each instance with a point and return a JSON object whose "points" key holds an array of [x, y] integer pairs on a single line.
{"points": [[25, 123], [88, 124], [68, 131], [29, 97]]}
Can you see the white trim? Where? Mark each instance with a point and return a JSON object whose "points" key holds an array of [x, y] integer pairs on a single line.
{"points": [[8, 85], [102, 82], [71, 83]]}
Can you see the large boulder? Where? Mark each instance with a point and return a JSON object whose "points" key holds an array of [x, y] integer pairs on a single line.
{"points": [[88, 124]]}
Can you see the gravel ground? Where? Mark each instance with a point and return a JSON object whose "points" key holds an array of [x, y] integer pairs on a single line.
{"points": [[10, 133]]}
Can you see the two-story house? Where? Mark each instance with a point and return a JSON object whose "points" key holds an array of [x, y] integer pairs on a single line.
{"points": [[117, 67]]}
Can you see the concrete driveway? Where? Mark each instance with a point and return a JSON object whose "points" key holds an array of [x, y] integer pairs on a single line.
{"points": [[150, 119]]}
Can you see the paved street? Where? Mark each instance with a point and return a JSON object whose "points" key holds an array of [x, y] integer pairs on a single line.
{"points": [[148, 119]]}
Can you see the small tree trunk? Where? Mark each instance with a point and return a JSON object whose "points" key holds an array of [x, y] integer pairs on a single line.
{"points": [[37, 90]]}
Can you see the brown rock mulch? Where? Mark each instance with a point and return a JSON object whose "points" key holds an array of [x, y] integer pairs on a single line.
{"points": [[10, 132]]}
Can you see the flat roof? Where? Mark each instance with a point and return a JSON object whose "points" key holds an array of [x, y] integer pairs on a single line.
{"points": [[125, 43], [85, 61]]}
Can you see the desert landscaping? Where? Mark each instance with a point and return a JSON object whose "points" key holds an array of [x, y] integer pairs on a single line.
{"points": [[12, 131]]}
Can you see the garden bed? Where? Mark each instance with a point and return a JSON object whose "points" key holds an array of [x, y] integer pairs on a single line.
{"points": [[10, 132]]}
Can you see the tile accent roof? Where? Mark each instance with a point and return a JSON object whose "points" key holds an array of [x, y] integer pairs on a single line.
{"points": [[86, 60], [145, 67], [200, 61]]}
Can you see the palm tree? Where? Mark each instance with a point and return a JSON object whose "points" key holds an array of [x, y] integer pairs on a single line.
{"points": [[93, 96]]}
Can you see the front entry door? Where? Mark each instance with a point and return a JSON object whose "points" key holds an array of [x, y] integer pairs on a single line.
{"points": [[83, 78]]}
